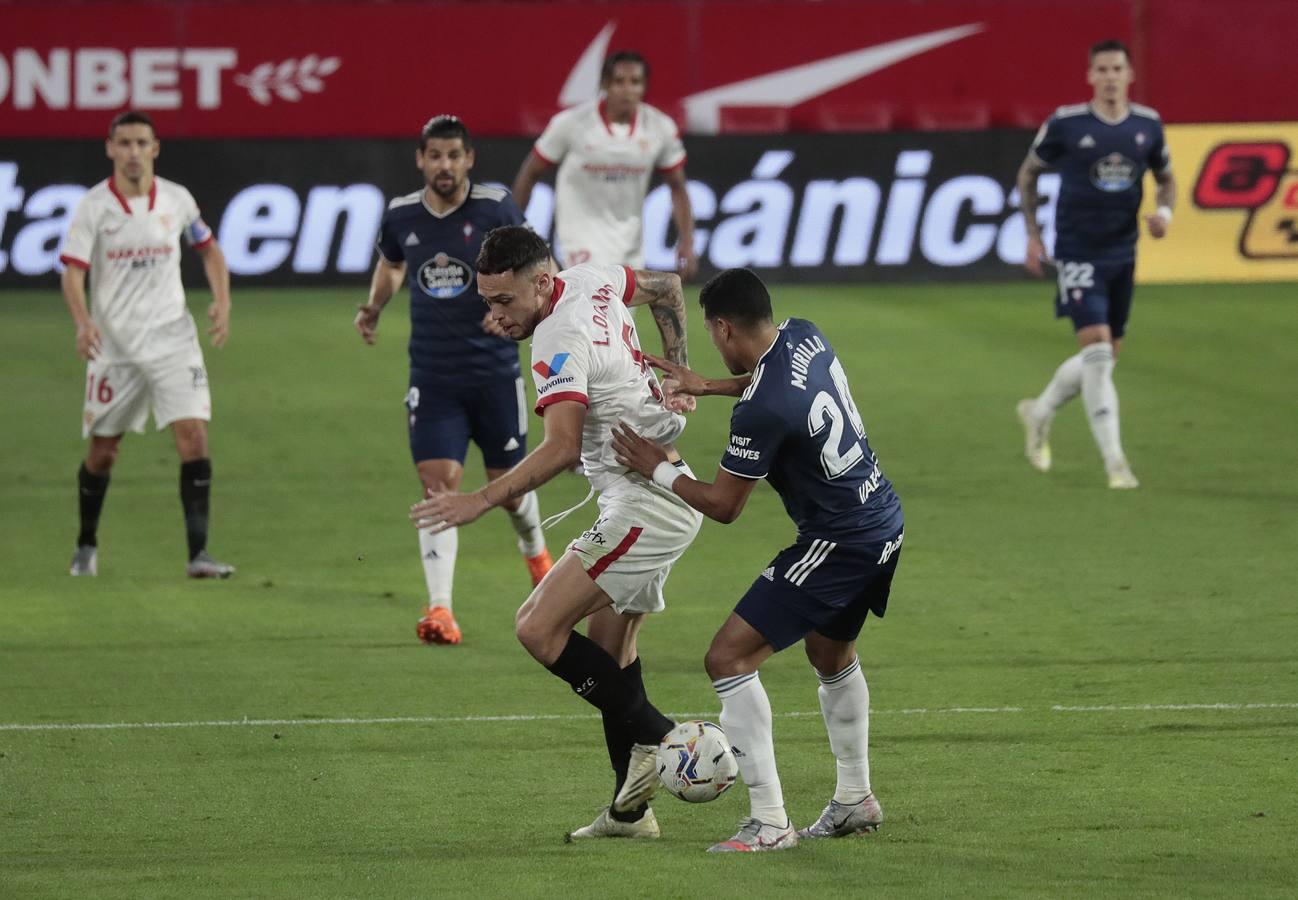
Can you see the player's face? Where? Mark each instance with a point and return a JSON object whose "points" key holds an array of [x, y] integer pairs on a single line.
{"points": [[1110, 75], [722, 334], [445, 164], [132, 148], [514, 299], [625, 88]]}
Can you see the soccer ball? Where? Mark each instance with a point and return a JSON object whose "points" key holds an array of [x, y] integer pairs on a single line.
{"points": [[695, 762]]}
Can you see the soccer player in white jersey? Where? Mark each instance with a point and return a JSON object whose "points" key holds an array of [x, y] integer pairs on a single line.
{"points": [[138, 339], [607, 150], [590, 373]]}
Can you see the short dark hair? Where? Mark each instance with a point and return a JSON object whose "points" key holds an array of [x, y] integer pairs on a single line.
{"points": [[622, 56], [1109, 45], [511, 248], [738, 296], [447, 128], [131, 117]]}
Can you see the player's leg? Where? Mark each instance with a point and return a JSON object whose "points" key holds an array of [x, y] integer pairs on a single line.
{"points": [[1120, 282], [437, 419], [544, 625], [499, 425], [1036, 414], [195, 497], [116, 401], [616, 634]]}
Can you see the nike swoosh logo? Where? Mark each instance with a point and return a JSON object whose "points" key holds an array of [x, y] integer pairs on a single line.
{"points": [[784, 88]]}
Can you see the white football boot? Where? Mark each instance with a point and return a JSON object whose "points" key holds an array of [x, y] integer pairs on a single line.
{"points": [[842, 819], [756, 837], [1036, 437], [605, 826], [641, 778], [85, 561], [1121, 477], [203, 566]]}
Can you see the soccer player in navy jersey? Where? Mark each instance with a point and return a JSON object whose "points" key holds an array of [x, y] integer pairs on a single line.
{"points": [[796, 426], [464, 375], [1101, 150]]}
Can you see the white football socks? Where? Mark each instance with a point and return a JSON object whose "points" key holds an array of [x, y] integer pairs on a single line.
{"points": [[1064, 386], [1101, 400], [438, 552], [527, 524], [845, 704], [746, 719]]}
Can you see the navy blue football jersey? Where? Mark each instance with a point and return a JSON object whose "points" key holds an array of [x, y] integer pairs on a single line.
{"points": [[1101, 167], [447, 342], [797, 426]]}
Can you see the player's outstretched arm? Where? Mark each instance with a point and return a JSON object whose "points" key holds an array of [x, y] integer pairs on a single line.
{"points": [[558, 452], [681, 380], [385, 282], [1028, 201], [73, 282], [722, 500], [218, 279]]}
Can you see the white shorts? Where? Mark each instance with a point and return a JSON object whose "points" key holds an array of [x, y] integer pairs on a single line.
{"points": [[629, 551], [119, 395]]}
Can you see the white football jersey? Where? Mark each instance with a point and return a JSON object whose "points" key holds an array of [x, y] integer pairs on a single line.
{"points": [[586, 349], [131, 248], [604, 172]]}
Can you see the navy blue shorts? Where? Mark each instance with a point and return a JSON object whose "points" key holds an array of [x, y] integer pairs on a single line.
{"points": [[444, 418], [1095, 293], [823, 587]]}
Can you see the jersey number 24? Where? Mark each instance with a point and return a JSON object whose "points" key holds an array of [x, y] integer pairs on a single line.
{"points": [[826, 412]]}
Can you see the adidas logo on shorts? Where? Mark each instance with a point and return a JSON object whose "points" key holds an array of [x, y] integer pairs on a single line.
{"points": [[769, 573]]}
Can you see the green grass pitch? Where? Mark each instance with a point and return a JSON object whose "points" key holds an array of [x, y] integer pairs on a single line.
{"points": [[1077, 692]]}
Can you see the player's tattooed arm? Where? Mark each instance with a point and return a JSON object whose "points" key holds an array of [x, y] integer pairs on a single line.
{"points": [[666, 299], [681, 380], [1028, 202]]}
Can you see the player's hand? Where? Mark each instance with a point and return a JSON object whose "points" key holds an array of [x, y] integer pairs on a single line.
{"points": [[441, 511], [635, 452], [367, 321], [1157, 225], [676, 401], [1036, 255], [219, 315], [492, 327], [89, 342], [683, 381], [687, 262]]}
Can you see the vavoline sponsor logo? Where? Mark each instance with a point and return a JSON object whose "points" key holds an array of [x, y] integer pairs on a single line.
{"points": [[905, 219]]}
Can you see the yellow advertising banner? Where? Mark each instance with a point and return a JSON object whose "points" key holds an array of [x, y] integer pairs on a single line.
{"points": [[1237, 206]]}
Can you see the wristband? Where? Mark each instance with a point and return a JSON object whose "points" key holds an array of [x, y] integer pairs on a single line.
{"points": [[1166, 213], [665, 475]]}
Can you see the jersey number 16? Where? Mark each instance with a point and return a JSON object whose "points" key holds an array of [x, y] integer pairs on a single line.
{"points": [[827, 412]]}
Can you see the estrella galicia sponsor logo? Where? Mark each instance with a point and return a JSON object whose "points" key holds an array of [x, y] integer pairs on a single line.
{"points": [[1113, 173], [444, 277], [1256, 177], [551, 368]]}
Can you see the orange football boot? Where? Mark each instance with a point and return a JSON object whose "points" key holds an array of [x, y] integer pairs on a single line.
{"points": [[438, 626], [538, 565]]}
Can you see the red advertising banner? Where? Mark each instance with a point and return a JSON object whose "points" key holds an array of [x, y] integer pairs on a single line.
{"points": [[352, 69]]}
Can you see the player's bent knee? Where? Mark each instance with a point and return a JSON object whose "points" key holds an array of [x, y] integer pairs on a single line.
{"points": [[538, 637], [722, 662]]}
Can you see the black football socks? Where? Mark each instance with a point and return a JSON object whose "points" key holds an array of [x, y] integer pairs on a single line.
{"points": [[195, 489], [93, 489], [597, 679], [619, 745]]}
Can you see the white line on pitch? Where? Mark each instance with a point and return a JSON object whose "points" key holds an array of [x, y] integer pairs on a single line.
{"points": [[449, 720]]}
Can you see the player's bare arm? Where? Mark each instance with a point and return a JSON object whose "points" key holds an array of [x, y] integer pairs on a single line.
{"points": [[74, 294], [681, 380], [218, 280], [529, 173], [558, 451], [687, 262], [666, 299], [1164, 203], [386, 281], [1028, 201], [722, 500]]}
